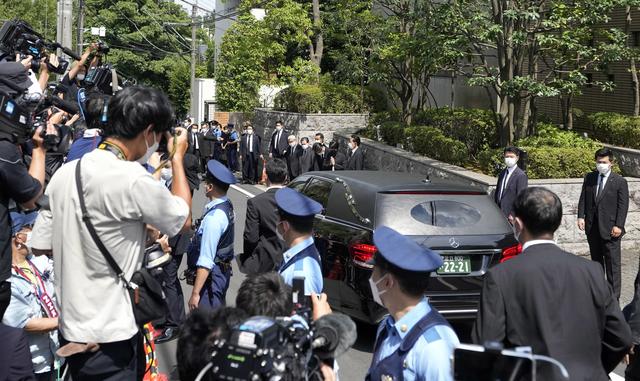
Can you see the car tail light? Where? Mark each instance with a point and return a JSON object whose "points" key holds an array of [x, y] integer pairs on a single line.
{"points": [[510, 252], [361, 253]]}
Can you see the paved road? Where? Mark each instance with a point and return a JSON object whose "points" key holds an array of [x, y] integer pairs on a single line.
{"points": [[354, 363]]}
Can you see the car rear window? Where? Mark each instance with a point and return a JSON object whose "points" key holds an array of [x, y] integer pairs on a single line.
{"points": [[422, 214], [319, 190]]}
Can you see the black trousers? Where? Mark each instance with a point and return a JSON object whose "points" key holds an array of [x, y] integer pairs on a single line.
{"points": [[232, 159], [607, 253], [5, 297], [173, 292], [250, 167], [120, 360]]}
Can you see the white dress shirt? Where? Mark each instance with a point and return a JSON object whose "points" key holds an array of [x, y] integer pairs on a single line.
{"points": [[603, 180], [537, 242]]}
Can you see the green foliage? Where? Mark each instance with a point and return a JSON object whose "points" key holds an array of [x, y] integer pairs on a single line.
{"points": [[476, 128], [392, 132], [431, 142], [616, 129], [40, 14], [326, 98], [552, 153]]}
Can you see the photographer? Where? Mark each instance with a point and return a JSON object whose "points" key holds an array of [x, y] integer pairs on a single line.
{"points": [[96, 314], [17, 183], [94, 110], [73, 80]]}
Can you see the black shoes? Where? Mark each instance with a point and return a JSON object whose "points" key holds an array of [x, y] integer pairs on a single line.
{"points": [[167, 334]]}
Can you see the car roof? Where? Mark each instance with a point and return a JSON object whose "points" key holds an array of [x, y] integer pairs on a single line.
{"points": [[365, 184]]}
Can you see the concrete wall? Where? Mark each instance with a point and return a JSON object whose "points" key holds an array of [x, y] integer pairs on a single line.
{"points": [[380, 156], [302, 125], [628, 159]]}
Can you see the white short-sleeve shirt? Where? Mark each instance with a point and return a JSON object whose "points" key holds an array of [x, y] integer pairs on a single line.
{"points": [[121, 197]]}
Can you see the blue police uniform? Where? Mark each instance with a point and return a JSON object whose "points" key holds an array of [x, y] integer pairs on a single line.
{"points": [[303, 259], [232, 151], [217, 146], [215, 237], [420, 344]]}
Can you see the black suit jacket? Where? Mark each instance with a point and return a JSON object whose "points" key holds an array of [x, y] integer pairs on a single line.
{"points": [[262, 248], [244, 145], [355, 162], [341, 161], [560, 305], [307, 160], [206, 146], [609, 209], [293, 156], [277, 148], [517, 183], [322, 163], [191, 169], [15, 357]]}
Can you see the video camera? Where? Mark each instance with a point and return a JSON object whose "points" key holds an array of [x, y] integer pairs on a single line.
{"points": [[17, 36], [281, 349]]}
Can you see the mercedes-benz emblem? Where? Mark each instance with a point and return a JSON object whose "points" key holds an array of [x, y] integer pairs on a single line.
{"points": [[453, 243]]}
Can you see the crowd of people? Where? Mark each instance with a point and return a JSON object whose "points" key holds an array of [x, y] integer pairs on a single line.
{"points": [[241, 150]]}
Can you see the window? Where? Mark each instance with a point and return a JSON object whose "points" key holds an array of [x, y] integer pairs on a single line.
{"points": [[446, 214], [635, 38], [611, 78], [298, 184], [589, 80], [319, 190]]}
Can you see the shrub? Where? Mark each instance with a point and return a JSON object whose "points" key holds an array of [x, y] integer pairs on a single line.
{"points": [[476, 128], [616, 129], [326, 98], [548, 135], [392, 132], [431, 142]]}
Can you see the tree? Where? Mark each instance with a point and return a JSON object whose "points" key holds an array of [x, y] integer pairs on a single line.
{"points": [[40, 14], [523, 50], [632, 55]]}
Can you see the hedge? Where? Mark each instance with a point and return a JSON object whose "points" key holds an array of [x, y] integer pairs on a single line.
{"points": [[616, 129], [392, 133], [431, 142], [326, 98]]}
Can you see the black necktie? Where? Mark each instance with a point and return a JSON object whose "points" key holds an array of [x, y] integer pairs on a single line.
{"points": [[600, 186]]}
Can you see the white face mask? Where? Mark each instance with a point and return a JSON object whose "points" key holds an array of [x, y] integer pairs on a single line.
{"points": [[150, 150], [166, 174], [80, 77], [250, 132], [350, 145], [510, 161], [374, 290], [278, 128], [305, 146], [603, 168], [292, 145]]}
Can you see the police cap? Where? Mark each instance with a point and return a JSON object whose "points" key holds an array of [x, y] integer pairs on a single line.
{"points": [[220, 172], [296, 204]]}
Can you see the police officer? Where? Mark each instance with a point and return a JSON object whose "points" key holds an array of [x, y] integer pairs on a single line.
{"points": [[297, 212], [414, 342], [215, 235]]}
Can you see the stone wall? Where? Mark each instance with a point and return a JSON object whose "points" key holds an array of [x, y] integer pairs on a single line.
{"points": [[308, 125], [628, 159], [382, 157]]}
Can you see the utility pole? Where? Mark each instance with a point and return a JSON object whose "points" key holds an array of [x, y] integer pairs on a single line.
{"points": [[80, 32], [194, 14], [65, 23]]}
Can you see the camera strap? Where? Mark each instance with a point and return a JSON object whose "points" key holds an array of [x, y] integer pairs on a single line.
{"points": [[92, 230]]}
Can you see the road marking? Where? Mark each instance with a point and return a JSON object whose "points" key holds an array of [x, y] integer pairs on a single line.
{"points": [[243, 191], [615, 377]]}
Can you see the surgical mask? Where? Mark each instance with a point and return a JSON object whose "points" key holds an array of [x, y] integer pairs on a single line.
{"points": [[292, 145], [166, 174], [278, 128], [305, 146], [80, 77], [250, 132], [510, 161], [27, 241], [350, 145], [150, 150], [374, 290], [603, 168]]}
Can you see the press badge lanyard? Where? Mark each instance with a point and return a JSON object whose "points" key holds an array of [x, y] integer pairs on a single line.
{"points": [[114, 149], [45, 300]]}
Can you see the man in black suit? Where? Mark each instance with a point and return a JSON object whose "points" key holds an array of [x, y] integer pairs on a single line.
{"points": [[262, 247], [278, 143], [355, 162], [322, 160], [250, 153], [602, 212], [511, 181], [552, 300], [205, 145], [194, 143], [293, 156], [307, 160]]}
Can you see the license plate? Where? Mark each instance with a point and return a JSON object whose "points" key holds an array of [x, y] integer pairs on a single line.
{"points": [[456, 264]]}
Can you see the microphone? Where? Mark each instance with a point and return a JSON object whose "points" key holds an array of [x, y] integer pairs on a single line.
{"points": [[334, 334], [70, 107]]}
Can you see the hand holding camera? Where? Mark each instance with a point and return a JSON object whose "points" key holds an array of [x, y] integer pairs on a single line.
{"points": [[181, 143]]}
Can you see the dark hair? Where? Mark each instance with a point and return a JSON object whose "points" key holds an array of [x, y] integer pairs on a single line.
{"points": [[276, 171], [199, 332], [320, 135], [412, 283], [603, 152], [279, 122], [334, 145], [317, 147], [134, 108], [306, 139], [512, 149], [302, 225], [94, 108], [265, 294], [539, 209], [209, 178], [356, 139]]}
